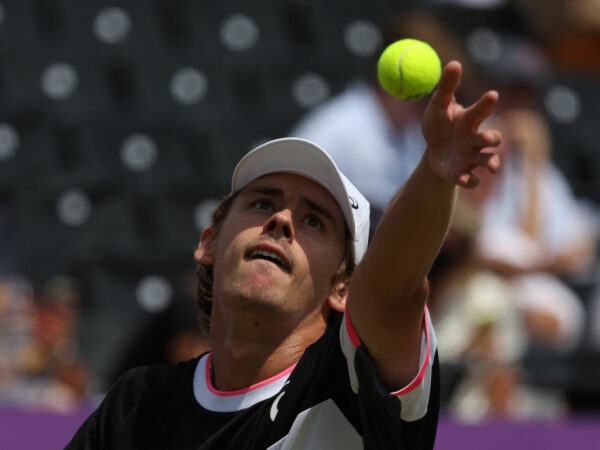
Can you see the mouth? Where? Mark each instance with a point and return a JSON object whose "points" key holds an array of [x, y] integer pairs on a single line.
{"points": [[270, 256]]}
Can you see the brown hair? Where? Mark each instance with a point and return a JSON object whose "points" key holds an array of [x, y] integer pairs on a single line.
{"points": [[205, 273]]}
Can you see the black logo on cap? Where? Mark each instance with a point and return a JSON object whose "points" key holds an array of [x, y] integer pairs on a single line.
{"points": [[353, 202]]}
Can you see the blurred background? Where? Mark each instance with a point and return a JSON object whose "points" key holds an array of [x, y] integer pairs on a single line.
{"points": [[120, 124]]}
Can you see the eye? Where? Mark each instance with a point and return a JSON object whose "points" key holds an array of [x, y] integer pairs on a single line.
{"points": [[314, 222], [263, 204]]}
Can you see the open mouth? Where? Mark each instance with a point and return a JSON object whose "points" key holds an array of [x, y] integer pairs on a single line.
{"points": [[269, 256]]}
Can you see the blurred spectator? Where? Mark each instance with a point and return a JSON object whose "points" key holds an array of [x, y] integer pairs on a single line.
{"points": [[534, 232], [504, 283], [483, 334], [496, 390], [533, 228], [569, 32], [375, 139], [508, 296], [568, 29], [41, 364], [17, 335]]}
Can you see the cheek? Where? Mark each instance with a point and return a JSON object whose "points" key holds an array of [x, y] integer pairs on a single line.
{"points": [[324, 261], [233, 234], [229, 246]]}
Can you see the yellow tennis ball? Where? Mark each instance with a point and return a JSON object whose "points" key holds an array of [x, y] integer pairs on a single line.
{"points": [[409, 69]]}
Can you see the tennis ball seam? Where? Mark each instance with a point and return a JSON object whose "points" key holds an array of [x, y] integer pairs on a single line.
{"points": [[400, 59]]}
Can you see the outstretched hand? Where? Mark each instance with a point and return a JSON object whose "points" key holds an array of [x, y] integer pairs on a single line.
{"points": [[455, 146]]}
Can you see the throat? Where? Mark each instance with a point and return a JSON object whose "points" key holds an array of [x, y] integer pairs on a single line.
{"points": [[241, 361], [231, 372]]}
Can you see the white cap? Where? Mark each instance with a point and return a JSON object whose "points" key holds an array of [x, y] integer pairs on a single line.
{"points": [[305, 158]]}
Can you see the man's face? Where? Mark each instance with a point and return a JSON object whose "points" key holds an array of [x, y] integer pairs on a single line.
{"points": [[280, 246]]}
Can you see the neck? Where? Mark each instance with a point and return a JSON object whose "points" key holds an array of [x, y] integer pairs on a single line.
{"points": [[255, 347]]}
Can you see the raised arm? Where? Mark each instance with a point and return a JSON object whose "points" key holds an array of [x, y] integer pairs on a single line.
{"points": [[389, 287]]}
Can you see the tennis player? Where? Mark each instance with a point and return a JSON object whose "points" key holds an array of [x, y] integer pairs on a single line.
{"points": [[317, 341]]}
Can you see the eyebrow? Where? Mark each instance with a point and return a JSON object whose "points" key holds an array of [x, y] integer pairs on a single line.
{"points": [[265, 190]]}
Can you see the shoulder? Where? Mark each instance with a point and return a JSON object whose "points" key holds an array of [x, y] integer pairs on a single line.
{"points": [[134, 406], [140, 381], [145, 384]]}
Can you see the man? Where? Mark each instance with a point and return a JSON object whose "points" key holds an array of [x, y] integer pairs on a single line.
{"points": [[274, 270]]}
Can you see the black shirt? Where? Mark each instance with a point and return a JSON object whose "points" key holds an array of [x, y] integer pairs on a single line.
{"points": [[330, 399]]}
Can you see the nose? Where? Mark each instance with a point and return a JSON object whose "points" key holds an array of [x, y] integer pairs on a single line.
{"points": [[281, 223]]}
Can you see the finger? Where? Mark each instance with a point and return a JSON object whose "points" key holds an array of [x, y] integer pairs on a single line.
{"points": [[494, 163], [481, 109], [448, 84], [491, 161], [468, 181], [492, 138], [487, 139]]}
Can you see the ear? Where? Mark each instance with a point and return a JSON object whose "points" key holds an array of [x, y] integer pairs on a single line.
{"points": [[338, 296], [204, 253]]}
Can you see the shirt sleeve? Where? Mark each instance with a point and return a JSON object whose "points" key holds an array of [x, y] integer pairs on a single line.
{"points": [[414, 398]]}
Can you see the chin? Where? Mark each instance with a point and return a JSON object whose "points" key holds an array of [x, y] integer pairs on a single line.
{"points": [[263, 295]]}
